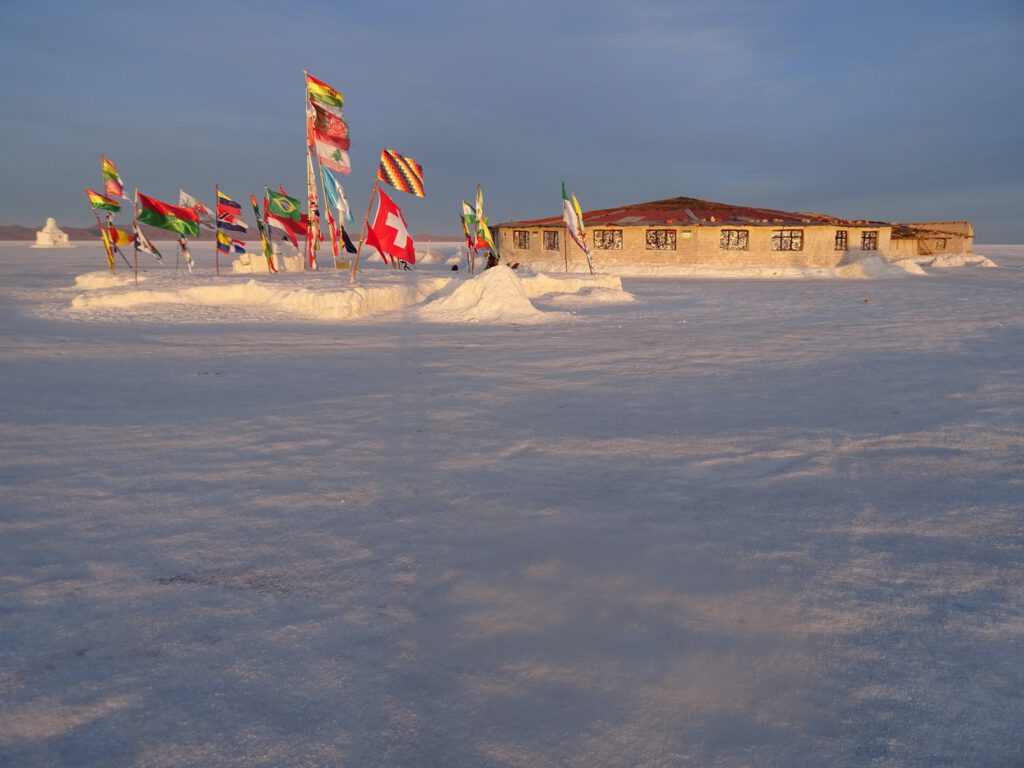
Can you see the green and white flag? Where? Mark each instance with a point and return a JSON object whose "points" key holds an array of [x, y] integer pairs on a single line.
{"points": [[573, 217], [483, 232], [206, 217]]}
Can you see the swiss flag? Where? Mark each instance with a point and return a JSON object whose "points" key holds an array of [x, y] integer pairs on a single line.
{"points": [[389, 234]]}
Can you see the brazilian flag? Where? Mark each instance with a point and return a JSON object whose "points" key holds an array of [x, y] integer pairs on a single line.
{"points": [[282, 206]]}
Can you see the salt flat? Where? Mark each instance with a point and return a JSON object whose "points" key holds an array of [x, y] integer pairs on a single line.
{"points": [[727, 523]]}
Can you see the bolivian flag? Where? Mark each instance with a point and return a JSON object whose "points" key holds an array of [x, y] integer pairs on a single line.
{"points": [[96, 200], [321, 93], [184, 221], [112, 183]]}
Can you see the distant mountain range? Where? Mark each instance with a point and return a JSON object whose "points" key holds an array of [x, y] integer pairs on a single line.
{"points": [[76, 234]]}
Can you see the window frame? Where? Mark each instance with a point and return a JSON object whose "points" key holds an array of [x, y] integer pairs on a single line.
{"points": [[787, 240], [669, 243], [521, 235], [726, 240], [869, 236], [842, 242], [600, 241], [548, 235]]}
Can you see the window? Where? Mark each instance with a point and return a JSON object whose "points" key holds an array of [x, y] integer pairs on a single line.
{"points": [[734, 240], [869, 241], [661, 239], [841, 240], [550, 241], [608, 239], [787, 239], [521, 239]]}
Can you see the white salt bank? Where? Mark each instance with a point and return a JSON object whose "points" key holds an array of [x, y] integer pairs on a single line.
{"points": [[51, 237]]}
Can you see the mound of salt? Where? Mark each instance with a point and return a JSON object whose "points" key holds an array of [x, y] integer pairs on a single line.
{"points": [[591, 296], [541, 284], [94, 281], [495, 295], [947, 260], [875, 266]]}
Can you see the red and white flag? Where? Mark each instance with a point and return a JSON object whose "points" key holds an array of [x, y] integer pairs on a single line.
{"points": [[389, 233]]}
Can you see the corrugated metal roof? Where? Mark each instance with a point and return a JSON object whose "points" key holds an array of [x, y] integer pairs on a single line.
{"points": [[689, 211]]}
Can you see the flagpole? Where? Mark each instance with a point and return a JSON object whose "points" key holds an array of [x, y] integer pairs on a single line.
{"points": [[270, 237], [309, 167], [110, 255], [362, 235], [565, 248], [216, 230], [107, 249], [135, 229]]}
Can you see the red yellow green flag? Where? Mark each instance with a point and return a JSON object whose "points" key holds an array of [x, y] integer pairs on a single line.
{"points": [[111, 179], [96, 200], [321, 93]]}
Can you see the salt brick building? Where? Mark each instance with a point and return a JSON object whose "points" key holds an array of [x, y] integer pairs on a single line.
{"points": [[688, 231]]}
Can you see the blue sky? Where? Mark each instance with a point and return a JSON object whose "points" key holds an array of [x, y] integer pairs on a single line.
{"points": [[894, 111]]}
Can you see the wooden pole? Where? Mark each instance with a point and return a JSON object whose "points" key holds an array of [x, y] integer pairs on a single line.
{"points": [[565, 250], [216, 230], [106, 244], [362, 232], [135, 227]]}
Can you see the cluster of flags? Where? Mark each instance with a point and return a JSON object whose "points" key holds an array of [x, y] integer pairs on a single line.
{"points": [[229, 219], [328, 141], [476, 230], [113, 188], [327, 136]]}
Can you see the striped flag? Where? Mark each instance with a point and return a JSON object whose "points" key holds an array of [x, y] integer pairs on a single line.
{"points": [[96, 200], [323, 94], [143, 244], [330, 154], [112, 183], [402, 173], [229, 214]]}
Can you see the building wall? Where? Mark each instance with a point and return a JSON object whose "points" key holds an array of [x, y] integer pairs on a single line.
{"points": [[943, 237], [697, 245], [903, 248]]}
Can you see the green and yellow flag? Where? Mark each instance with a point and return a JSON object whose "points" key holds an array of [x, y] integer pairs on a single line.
{"points": [[96, 200], [282, 206]]}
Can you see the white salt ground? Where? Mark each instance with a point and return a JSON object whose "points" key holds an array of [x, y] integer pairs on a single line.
{"points": [[859, 268], [732, 523], [947, 260]]}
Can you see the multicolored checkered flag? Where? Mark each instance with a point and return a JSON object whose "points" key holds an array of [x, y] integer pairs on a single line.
{"points": [[402, 173]]}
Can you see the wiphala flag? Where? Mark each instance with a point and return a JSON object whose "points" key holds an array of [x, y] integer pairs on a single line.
{"points": [[402, 173]]}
